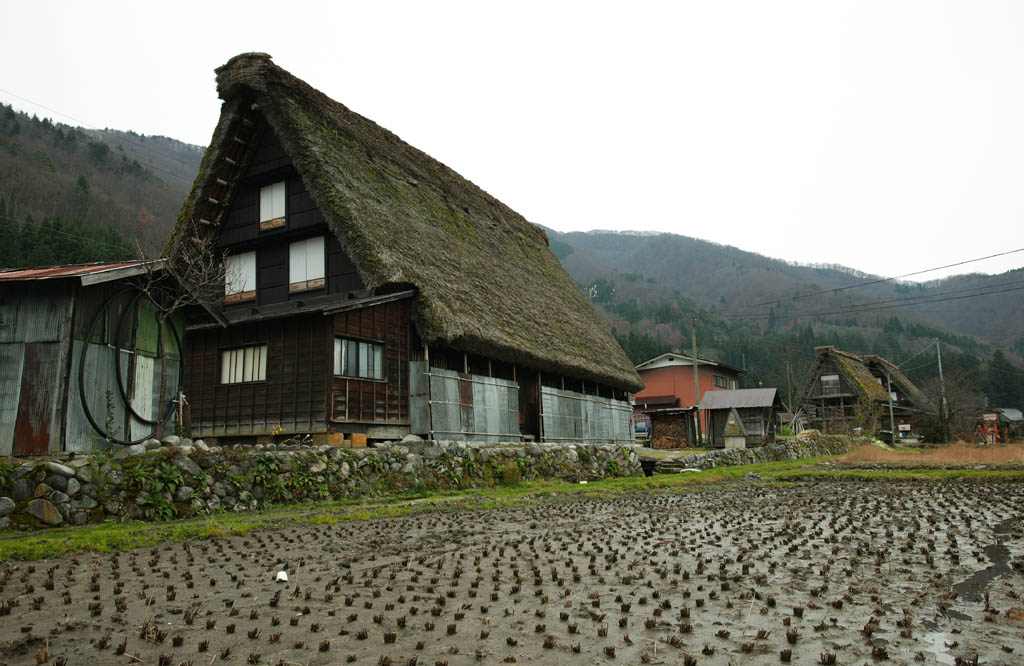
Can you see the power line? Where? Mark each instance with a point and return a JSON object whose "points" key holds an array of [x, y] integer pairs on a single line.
{"points": [[888, 279], [873, 309], [4, 218], [125, 136], [865, 307]]}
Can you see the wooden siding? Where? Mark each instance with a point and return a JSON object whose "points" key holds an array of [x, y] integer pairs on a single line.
{"points": [[368, 401], [241, 229], [294, 394]]}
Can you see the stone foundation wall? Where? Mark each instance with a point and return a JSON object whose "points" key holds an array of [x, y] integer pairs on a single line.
{"points": [[178, 478], [786, 449]]}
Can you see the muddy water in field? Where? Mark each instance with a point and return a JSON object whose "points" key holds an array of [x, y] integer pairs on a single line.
{"points": [[730, 575]]}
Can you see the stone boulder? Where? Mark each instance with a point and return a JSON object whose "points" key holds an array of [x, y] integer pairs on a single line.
{"points": [[44, 511]]}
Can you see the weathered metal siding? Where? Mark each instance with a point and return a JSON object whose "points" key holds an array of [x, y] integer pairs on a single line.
{"points": [[12, 356], [33, 325], [571, 416], [463, 405], [100, 384]]}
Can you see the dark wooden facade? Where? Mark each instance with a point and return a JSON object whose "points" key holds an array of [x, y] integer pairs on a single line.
{"points": [[355, 401], [241, 230], [292, 398]]}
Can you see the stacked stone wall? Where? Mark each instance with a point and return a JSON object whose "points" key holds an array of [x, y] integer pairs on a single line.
{"points": [[179, 478]]}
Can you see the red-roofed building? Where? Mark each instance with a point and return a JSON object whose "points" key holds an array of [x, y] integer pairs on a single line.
{"points": [[668, 383]]}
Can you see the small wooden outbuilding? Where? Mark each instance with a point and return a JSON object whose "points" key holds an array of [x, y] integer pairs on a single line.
{"points": [[741, 418]]}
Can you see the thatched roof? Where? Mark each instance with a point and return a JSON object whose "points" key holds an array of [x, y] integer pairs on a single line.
{"points": [[857, 371], [900, 381], [487, 282]]}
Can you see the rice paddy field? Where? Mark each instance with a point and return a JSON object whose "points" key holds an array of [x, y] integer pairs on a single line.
{"points": [[754, 571]]}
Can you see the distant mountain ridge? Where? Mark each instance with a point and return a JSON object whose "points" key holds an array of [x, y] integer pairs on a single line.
{"points": [[743, 285], [128, 182]]}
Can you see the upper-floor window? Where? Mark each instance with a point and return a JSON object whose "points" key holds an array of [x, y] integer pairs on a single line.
{"points": [[244, 364], [355, 358], [240, 277], [829, 384], [732, 384], [721, 382], [272, 206], [306, 264]]}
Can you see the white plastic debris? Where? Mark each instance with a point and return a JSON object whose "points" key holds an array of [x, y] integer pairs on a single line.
{"points": [[282, 577]]}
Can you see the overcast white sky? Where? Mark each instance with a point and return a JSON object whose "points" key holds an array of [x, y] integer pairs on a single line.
{"points": [[886, 136]]}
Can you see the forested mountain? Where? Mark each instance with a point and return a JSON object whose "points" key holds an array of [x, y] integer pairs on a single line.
{"points": [[767, 315], [113, 191]]}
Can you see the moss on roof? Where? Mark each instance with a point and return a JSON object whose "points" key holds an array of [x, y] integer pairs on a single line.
{"points": [[859, 373], [852, 366], [486, 279], [917, 398]]}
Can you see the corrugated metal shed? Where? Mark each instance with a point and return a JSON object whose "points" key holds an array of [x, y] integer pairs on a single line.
{"points": [[572, 416], [45, 314]]}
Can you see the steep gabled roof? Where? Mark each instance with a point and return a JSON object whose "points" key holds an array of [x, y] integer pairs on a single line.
{"points": [[857, 371], [487, 282], [917, 398]]}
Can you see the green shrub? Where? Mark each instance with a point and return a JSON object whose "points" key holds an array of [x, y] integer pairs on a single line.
{"points": [[934, 431], [156, 505], [6, 469]]}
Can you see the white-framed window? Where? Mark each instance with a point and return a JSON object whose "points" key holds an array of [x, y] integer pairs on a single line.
{"points": [[732, 384], [243, 364], [829, 384], [306, 264], [240, 277], [272, 206], [356, 358]]}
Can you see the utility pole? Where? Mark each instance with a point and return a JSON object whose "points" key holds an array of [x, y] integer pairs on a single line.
{"points": [[789, 380], [892, 420], [942, 383], [696, 383]]}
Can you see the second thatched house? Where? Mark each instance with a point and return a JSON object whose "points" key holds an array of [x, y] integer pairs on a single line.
{"points": [[842, 391], [372, 292]]}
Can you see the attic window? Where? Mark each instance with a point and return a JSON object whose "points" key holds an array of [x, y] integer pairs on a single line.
{"points": [[829, 384], [306, 264], [272, 206], [240, 277]]}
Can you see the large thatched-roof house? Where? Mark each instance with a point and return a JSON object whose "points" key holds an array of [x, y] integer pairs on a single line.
{"points": [[370, 290], [843, 390]]}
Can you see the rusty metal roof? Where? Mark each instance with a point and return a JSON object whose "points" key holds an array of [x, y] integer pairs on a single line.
{"points": [[87, 273]]}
